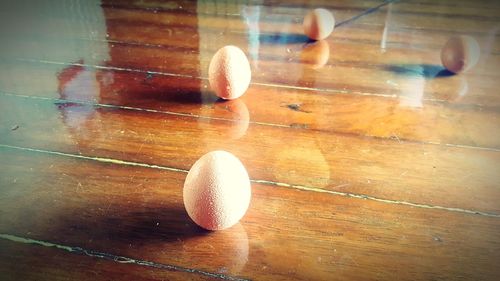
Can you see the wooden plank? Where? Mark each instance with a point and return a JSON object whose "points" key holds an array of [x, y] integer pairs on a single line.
{"points": [[394, 72], [138, 212], [405, 117], [283, 50], [348, 180], [389, 72], [166, 23], [480, 11], [398, 11], [237, 8], [370, 30], [424, 21], [21, 261], [339, 73], [396, 77], [386, 169], [453, 4]]}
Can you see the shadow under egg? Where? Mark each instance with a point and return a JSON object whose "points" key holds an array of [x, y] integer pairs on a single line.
{"points": [[428, 71]]}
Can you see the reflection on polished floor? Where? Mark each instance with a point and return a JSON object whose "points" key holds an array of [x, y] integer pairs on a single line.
{"points": [[368, 160]]}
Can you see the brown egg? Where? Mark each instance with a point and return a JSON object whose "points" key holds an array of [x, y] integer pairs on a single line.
{"points": [[217, 191], [460, 53], [229, 73], [315, 54], [318, 24]]}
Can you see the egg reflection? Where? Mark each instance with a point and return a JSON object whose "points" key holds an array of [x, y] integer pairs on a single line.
{"points": [[315, 54], [237, 112], [450, 89], [230, 246]]}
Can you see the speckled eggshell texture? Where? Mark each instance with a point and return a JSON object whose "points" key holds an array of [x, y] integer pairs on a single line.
{"points": [[318, 24], [229, 73], [460, 53], [217, 191]]}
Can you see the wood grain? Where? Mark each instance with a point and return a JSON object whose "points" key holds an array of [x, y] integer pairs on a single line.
{"points": [[368, 160], [389, 73], [404, 117], [33, 262], [400, 171], [390, 79], [138, 212]]}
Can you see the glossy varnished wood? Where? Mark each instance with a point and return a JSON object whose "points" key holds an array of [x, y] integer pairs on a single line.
{"points": [[368, 160], [387, 73], [383, 168], [28, 261], [139, 213], [401, 117]]}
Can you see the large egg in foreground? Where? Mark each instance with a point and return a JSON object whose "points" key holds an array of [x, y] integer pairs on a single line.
{"points": [[217, 191], [460, 53], [229, 73], [318, 24]]}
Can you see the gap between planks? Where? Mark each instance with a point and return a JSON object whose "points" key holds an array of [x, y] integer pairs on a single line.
{"points": [[264, 182], [347, 21], [190, 115], [271, 85], [115, 258], [159, 9]]}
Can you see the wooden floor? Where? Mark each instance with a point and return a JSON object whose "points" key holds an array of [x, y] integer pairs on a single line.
{"points": [[368, 160]]}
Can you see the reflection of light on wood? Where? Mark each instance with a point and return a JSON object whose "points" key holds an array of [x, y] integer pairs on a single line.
{"points": [[81, 38], [251, 16], [386, 28], [412, 91], [305, 156], [36, 33], [83, 87]]}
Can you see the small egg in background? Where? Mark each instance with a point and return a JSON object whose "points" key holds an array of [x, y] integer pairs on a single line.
{"points": [[217, 191], [460, 53], [229, 73], [318, 24]]}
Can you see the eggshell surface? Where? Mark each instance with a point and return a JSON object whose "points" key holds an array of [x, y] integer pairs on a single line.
{"points": [[318, 24], [217, 191], [460, 53], [229, 73]]}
